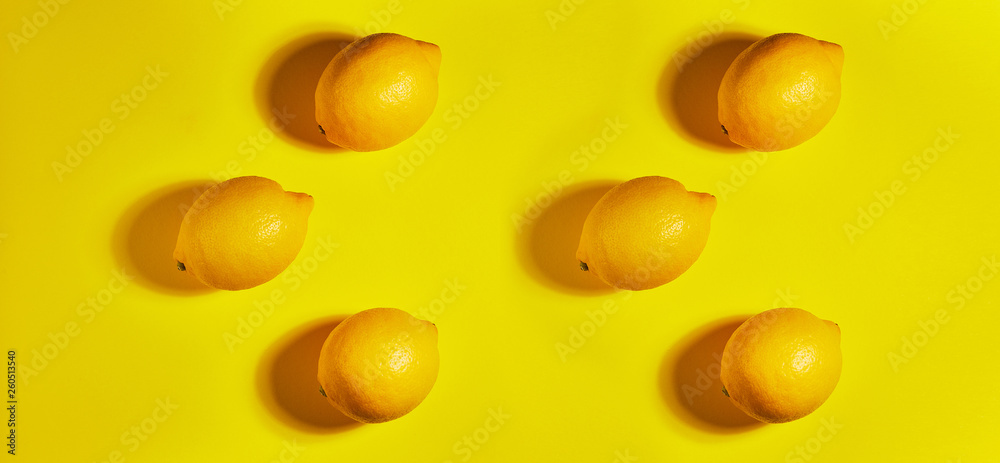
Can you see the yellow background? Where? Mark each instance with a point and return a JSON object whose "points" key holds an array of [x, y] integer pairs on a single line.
{"points": [[778, 236]]}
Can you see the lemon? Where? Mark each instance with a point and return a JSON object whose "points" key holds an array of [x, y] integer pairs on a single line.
{"points": [[378, 91], [645, 232], [242, 232], [780, 91], [782, 364], [379, 364]]}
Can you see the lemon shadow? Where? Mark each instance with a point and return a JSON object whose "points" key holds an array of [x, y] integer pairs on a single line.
{"points": [[146, 234], [286, 88], [287, 384], [548, 243], [689, 87], [690, 385]]}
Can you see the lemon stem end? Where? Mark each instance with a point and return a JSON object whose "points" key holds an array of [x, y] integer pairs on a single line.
{"points": [[180, 266], [724, 391], [583, 266], [322, 392]]}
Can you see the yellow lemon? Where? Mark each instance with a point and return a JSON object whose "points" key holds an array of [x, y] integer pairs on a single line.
{"points": [[781, 364], [379, 364], [645, 232], [378, 91], [242, 233], [780, 91]]}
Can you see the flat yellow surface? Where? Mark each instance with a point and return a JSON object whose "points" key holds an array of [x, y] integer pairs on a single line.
{"points": [[114, 113]]}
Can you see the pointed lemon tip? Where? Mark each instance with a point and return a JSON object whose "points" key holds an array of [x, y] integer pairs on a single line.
{"points": [[835, 52], [706, 200], [304, 200], [432, 52]]}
